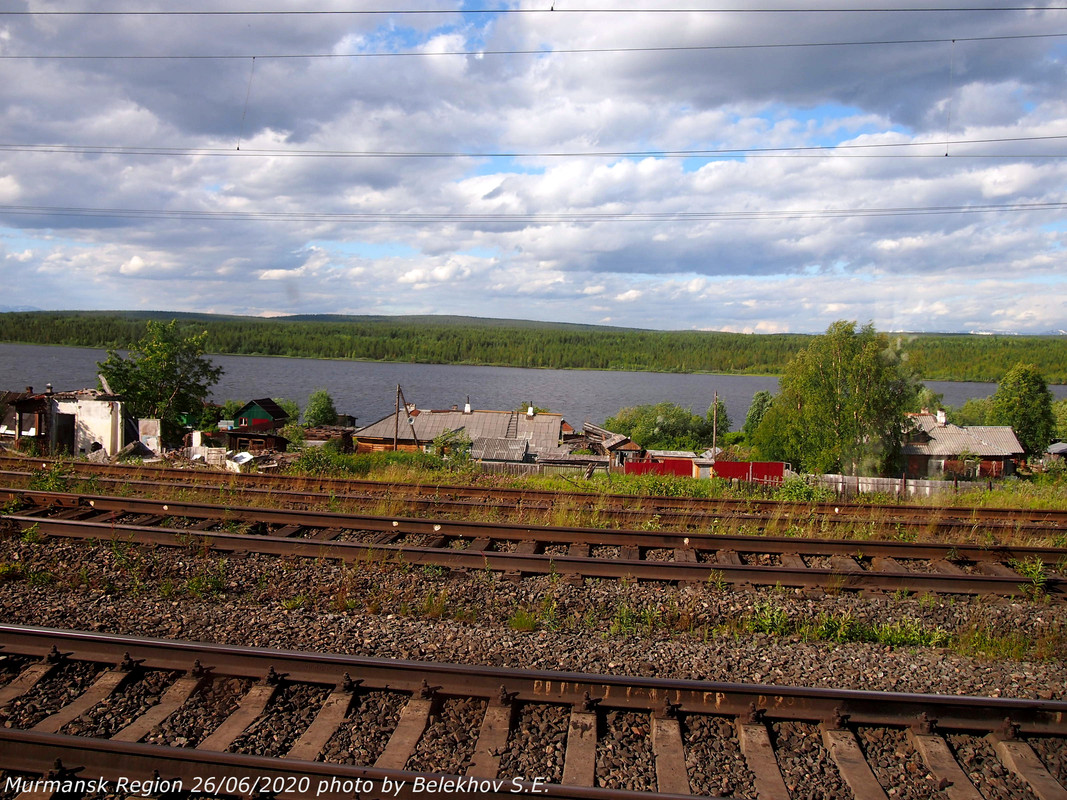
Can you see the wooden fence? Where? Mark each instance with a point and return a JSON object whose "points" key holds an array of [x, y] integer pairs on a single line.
{"points": [[851, 485]]}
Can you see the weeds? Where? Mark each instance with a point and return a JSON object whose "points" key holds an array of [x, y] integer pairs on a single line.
{"points": [[32, 535], [1033, 569], [844, 628], [295, 602]]}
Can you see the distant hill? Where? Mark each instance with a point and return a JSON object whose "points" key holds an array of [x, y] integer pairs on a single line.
{"points": [[524, 343]]}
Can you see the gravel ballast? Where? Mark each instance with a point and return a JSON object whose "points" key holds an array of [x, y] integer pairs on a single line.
{"points": [[392, 610]]}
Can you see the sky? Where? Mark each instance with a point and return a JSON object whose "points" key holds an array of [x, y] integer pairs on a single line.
{"points": [[754, 167]]}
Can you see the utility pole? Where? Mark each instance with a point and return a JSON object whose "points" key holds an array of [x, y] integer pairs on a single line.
{"points": [[714, 426]]}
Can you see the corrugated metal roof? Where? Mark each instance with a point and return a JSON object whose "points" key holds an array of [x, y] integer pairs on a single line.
{"points": [[542, 430], [499, 449], [671, 454], [997, 441]]}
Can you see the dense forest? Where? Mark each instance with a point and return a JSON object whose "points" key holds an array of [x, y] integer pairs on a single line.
{"points": [[518, 343]]}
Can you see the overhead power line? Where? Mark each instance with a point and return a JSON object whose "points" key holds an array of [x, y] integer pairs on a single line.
{"points": [[577, 217], [548, 8], [746, 152], [522, 52]]}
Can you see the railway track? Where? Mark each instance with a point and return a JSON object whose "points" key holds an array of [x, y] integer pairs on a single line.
{"points": [[229, 720], [690, 513], [1045, 520], [575, 553]]}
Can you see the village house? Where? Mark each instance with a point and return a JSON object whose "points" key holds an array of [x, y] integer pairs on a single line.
{"points": [[618, 447], [513, 436], [75, 423], [934, 446], [255, 426]]}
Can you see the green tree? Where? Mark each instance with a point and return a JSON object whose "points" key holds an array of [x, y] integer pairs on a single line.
{"points": [[164, 375], [1023, 401], [842, 404], [976, 411], [761, 401], [290, 407], [320, 409], [1059, 411], [929, 400], [663, 426]]}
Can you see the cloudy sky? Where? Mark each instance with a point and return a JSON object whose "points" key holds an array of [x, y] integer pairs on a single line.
{"points": [[771, 167]]}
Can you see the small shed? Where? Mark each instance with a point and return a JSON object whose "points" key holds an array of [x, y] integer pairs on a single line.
{"points": [[260, 414]]}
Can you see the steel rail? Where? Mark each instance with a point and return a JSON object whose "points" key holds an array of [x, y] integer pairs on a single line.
{"points": [[1050, 556], [1055, 518], [683, 517], [952, 712], [541, 564], [35, 752]]}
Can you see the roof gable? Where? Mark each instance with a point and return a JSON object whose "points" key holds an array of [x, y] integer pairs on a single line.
{"points": [[928, 437], [272, 409]]}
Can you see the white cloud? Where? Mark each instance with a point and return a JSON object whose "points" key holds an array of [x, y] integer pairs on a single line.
{"points": [[754, 244]]}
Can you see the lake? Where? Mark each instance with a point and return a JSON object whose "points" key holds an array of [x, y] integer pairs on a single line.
{"points": [[367, 390]]}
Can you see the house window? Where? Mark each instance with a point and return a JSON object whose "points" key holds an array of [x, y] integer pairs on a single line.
{"points": [[242, 422]]}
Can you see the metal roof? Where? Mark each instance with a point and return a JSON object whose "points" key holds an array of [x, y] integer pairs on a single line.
{"points": [[542, 430], [498, 449], [671, 454], [997, 441], [267, 404]]}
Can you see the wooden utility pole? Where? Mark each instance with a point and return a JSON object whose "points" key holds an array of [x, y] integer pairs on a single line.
{"points": [[714, 425], [396, 422]]}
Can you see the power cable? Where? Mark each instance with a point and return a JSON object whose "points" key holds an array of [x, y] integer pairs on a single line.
{"points": [[552, 10], [529, 52], [586, 217], [746, 152]]}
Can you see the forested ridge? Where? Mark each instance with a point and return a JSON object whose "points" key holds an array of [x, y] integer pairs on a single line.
{"points": [[519, 343]]}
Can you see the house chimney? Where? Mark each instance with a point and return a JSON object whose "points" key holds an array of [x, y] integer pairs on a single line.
{"points": [[29, 390], [941, 419], [48, 388], [530, 411], [467, 406]]}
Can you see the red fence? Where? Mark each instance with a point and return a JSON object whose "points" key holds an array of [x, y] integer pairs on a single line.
{"points": [[753, 471], [671, 466]]}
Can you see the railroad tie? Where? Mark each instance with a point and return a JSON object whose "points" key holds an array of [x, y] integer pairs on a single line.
{"points": [[25, 681], [252, 705], [579, 764], [793, 561], [204, 524], [845, 565], [846, 752], [414, 718], [1021, 759], [998, 570], [759, 755], [478, 545], [76, 513], [326, 534], [671, 774], [630, 553], [492, 741], [889, 565], [175, 696], [728, 558], [947, 567], [104, 686], [942, 764], [328, 720]]}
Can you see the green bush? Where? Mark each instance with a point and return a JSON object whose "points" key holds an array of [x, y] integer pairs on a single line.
{"points": [[797, 490]]}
